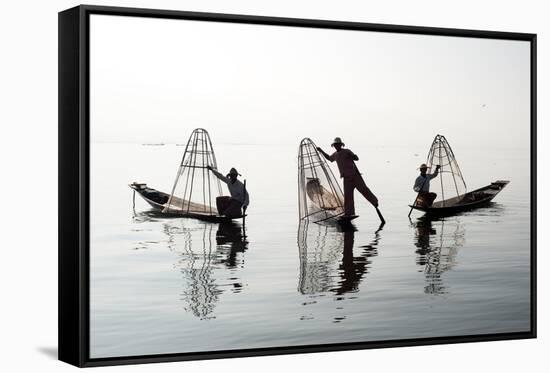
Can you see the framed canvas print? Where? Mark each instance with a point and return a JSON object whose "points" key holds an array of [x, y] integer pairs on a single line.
{"points": [[239, 185]]}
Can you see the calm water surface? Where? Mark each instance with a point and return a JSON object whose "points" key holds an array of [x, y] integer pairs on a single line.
{"points": [[163, 285]]}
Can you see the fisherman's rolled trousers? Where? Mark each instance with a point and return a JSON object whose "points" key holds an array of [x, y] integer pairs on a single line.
{"points": [[350, 184]]}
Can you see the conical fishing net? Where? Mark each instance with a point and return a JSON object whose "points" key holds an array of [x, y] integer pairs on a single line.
{"points": [[196, 188], [449, 184], [320, 196]]}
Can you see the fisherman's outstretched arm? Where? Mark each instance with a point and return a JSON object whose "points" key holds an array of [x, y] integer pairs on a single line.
{"points": [[325, 154], [219, 175]]}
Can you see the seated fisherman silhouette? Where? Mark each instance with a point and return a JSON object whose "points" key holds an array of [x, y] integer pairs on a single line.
{"points": [[231, 206], [425, 198]]}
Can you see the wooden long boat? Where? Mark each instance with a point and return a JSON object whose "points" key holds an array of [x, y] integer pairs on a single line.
{"points": [[471, 200], [178, 207]]}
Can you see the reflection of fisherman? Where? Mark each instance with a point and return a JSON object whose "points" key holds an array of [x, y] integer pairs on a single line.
{"points": [[230, 241], [353, 268], [423, 232], [231, 206], [352, 178], [422, 186]]}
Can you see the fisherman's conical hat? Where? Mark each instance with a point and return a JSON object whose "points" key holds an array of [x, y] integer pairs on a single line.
{"points": [[337, 140]]}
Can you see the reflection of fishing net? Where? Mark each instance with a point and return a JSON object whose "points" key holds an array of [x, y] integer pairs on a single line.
{"points": [[196, 259], [196, 188], [320, 196], [450, 184], [319, 259], [437, 256]]}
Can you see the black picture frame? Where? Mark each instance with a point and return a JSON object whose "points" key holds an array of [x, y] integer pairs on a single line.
{"points": [[74, 191]]}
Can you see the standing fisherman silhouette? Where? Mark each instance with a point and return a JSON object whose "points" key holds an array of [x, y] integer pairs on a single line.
{"points": [[345, 159]]}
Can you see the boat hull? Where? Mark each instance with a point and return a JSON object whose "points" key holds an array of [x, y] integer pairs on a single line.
{"points": [[472, 200], [157, 200]]}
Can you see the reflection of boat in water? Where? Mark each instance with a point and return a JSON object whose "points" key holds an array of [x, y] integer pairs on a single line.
{"points": [[206, 253], [327, 261], [437, 251], [195, 190], [450, 184]]}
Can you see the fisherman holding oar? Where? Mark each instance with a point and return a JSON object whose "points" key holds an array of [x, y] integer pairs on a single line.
{"points": [[422, 186], [345, 159], [231, 206]]}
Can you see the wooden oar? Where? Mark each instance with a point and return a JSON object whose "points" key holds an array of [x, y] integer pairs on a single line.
{"points": [[380, 216], [416, 199]]}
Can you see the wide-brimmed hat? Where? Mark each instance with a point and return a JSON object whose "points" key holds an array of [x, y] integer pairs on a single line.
{"points": [[233, 171], [423, 165], [337, 140]]}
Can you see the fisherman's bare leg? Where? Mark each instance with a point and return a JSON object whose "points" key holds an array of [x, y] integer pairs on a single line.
{"points": [[349, 204], [365, 191]]}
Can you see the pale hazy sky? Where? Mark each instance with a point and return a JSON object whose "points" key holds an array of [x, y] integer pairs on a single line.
{"points": [[154, 80]]}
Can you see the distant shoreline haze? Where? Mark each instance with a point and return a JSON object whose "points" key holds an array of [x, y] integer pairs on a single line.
{"points": [[374, 89]]}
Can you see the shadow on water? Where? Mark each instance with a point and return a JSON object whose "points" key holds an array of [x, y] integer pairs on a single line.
{"points": [[50, 352], [209, 257], [328, 264], [437, 242]]}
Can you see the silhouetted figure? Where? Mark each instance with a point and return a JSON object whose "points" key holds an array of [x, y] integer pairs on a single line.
{"points": [[422, 186], [345, 159], [231, 207]]}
